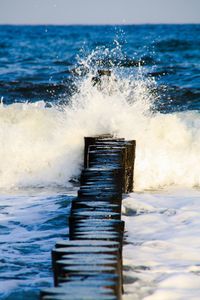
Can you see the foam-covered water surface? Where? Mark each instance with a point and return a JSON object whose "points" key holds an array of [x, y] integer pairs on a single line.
{"points": [[31, 222], [161, 257]]}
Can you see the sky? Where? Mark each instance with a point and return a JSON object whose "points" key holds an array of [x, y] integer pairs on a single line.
{"points": [[99, 11]]}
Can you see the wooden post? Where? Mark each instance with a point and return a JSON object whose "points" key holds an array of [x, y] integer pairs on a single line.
{"points": [[90, 263]]}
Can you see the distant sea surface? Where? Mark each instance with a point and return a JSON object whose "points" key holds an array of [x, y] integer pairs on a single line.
{"points": [[37, 61], [51, 97]]}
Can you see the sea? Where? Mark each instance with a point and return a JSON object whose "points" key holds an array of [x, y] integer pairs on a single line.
{"points": [[50, 100]]}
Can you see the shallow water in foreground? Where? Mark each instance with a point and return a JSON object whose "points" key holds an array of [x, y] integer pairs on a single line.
{"points": [[31, 222], [161, 258], [161, 251]]}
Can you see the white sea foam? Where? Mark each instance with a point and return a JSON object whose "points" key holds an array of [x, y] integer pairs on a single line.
{"points": [[37, 146], [162, 254], [44, 146]]}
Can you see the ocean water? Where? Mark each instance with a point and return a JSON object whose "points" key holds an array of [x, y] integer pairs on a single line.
{"points": [[49, 102]]}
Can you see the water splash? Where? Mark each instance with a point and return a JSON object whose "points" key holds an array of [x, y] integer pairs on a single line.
{"points": [[43, 146]]}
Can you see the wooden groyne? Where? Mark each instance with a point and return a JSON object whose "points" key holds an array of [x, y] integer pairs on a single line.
{"points": [[89, 265]]}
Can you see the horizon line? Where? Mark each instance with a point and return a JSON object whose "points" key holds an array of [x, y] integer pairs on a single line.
{"points": [[97, 24]]}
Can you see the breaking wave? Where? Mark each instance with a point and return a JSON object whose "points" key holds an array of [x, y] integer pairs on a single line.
{"points": [[43, 146]]}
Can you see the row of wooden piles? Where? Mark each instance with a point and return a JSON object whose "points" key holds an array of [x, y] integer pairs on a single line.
{"points": [[89, 264]]}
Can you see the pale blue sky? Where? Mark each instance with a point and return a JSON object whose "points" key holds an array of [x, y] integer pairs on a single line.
{"points": [[99, 11]]}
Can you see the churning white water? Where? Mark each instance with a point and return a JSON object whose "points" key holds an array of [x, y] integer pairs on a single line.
{"points": [[43, 146]]}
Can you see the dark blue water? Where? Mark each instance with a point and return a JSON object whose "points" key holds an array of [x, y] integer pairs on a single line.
{"points": [[46, 63], [39, 62]]}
